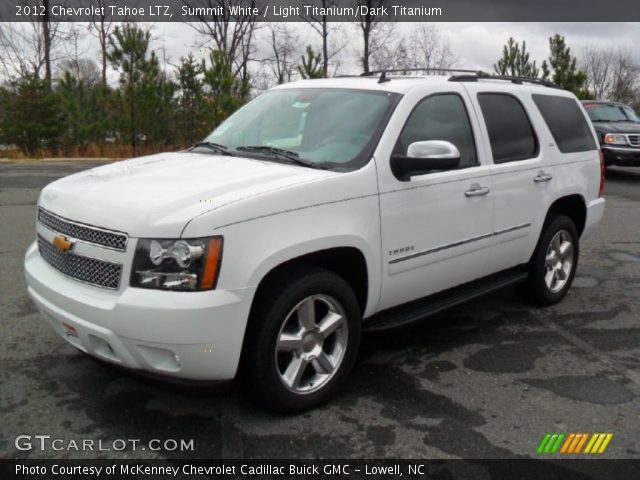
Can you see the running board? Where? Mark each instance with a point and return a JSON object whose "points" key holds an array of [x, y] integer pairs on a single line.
{"points": [[417, 310]]}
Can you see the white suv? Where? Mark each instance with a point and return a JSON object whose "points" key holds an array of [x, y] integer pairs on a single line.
{"points": [[320, 209]]}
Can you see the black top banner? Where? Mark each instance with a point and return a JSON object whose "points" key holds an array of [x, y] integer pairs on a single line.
{"points": [[330, 10]]}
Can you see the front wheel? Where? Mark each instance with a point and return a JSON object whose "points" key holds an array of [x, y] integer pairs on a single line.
{"points": [[553, 264], [302, 339]]}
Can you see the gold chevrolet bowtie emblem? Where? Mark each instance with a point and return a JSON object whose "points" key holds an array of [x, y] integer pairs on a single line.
{"points": [[63, 244]]}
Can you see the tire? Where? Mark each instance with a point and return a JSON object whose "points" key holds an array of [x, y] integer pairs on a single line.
{"points": [[550, 277], [297, 352]]}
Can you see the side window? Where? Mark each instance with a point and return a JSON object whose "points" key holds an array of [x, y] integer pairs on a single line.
{"points": [[440, 117], [566, 123], [510, 132]]}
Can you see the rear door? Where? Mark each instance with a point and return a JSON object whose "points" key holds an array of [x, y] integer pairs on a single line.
{"points": [[522, 170]]}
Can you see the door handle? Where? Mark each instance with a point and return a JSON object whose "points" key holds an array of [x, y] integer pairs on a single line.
{"points": [[542, 176], [476, 190]]}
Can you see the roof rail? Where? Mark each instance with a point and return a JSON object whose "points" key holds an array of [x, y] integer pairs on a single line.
{"points": [[383, 73], [466, 76], [509, 78]]}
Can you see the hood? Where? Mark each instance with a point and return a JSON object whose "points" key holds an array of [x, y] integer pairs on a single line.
{"points": [[156, 196], [617, 127]]}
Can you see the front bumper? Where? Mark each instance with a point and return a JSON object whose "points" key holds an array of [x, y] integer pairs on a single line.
{"points": [[190, 335], [622, 156]]}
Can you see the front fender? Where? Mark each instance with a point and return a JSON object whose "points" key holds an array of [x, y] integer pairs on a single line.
{"points": [[254, 248]]}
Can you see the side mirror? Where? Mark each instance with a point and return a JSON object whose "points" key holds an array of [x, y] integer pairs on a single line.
{"points": [[424, 157]]}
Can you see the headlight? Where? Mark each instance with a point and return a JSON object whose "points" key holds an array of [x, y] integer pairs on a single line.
{"points": [[613, 139], [184, 264]]}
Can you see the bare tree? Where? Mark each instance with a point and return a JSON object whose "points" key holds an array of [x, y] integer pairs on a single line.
{"points": [[83, 70], [31, 48], [72, 53], [625, 86], [597, 64], [612, 74], [369, 22], [428, 48], [284, 45], [47, 40], [261, 80], [101, 26], [321, 25], [386, 50], [233, 36]]}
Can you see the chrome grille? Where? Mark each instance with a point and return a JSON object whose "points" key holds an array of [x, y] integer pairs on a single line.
{"points": [[634, 140], [85, 269], [85, 233]]}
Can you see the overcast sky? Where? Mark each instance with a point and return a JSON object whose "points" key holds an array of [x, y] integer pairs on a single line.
{"points": [[476, 45]]}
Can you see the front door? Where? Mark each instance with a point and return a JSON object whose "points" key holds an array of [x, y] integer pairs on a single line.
{"points": [[436, 227]]}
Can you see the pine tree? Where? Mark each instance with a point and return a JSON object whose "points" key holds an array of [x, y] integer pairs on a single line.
{"points": [[84, 112], [190, 107], [516, 61], [225, 92], [145, 95], [562, 67], [31, 117], [310, 66]]}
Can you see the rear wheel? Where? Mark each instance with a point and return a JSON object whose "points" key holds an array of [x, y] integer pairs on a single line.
{"points": [[302, 339], [553, 264]]}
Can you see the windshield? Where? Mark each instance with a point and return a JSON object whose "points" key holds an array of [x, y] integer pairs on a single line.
{"points": [[602, 112], [322, 127]]}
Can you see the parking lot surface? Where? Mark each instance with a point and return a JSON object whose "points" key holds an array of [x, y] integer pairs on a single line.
{"points": [[487, 379]]}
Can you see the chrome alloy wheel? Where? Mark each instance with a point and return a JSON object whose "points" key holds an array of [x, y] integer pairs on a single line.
{"points": [[559, 261], [311, 344]]}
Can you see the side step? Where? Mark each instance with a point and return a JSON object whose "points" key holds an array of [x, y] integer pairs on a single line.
{"points": [[417, 310]]}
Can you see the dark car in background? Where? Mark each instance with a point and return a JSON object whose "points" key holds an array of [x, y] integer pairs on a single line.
{"points": [[618, 129]]}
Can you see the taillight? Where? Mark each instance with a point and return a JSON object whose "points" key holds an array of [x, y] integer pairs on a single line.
{"points": [[603, 170]]}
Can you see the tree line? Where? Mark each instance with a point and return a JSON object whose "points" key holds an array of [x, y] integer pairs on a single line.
{"points": [[57, 99], [598, 73], [76, 112]]}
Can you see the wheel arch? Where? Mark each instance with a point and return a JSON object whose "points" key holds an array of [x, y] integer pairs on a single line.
{"points": [[573, 206], [348, 262]]}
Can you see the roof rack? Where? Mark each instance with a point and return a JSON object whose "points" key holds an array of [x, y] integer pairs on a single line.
{"points": [[466, 76], [383, 73], [509, 78]]}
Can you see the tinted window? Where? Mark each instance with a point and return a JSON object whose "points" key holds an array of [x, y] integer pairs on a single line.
{"points": [[566, 123], [510, 131], [440, 117]]}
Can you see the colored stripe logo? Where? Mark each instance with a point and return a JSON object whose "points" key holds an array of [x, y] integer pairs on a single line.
{"points": [[573, 443]]}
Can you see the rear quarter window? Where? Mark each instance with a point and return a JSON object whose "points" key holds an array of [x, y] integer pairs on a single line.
{"points": [[510, 132], [566, 122]]}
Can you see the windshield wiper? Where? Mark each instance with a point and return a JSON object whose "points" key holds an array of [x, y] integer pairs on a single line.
{"points": [[216, 147], [288, 155]]}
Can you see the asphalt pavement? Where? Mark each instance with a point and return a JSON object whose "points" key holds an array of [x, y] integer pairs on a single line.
{"points": [[487, 379]]}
